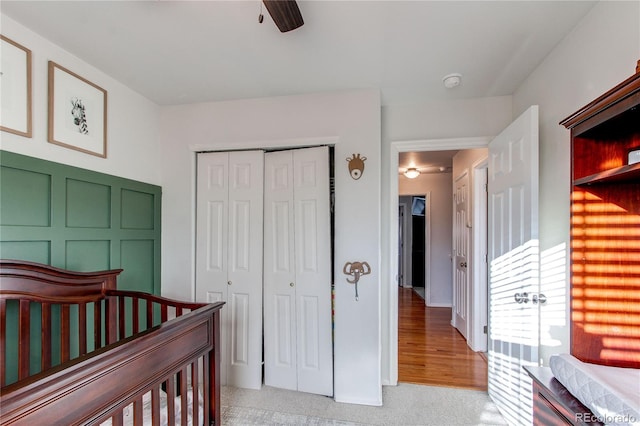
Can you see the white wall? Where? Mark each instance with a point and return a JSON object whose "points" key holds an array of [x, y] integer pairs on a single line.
{"points": [[132, 123], [599, 53], [440, 290], [349, 120], [430, 120]]}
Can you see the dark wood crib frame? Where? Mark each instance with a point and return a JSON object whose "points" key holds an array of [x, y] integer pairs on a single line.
{"points": [[158, 354]]}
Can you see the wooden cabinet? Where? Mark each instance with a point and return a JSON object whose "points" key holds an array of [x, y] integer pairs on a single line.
{"points": [[605, 228], [553, 405]]}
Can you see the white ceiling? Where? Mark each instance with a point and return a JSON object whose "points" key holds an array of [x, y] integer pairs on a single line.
{"points": [[177, 52], [426, 161]]}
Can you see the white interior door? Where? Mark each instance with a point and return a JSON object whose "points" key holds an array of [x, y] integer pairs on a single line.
{"points": [[229, 257], [298, 341], [513, 265], [461, 288]]}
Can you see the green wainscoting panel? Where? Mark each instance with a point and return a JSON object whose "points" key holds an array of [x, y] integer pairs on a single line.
{"points": [[137, 260], [76, 219], [88, 255], [137, 210], [33, 251], [88, 204], [33, 189]]}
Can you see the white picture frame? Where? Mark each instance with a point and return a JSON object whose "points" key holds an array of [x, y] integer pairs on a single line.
{"points": [[77, 112], [15, 88]]}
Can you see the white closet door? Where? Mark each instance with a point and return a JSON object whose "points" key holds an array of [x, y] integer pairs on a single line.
{"points": [[279, 273], [211, 239], [298, 339], [229, 257]]}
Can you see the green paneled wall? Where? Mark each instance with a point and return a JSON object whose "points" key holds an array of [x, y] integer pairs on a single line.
{"points": [[77, 219]]}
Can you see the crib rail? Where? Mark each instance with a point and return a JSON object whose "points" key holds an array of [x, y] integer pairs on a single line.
{"points": [[49, 316], [84, 352], [99, 386]]}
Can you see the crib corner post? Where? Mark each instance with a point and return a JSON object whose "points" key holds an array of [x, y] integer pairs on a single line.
{"points": [[214, 373]]}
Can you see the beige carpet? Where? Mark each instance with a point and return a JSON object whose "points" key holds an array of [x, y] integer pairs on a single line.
{"points": [[405, 405]]}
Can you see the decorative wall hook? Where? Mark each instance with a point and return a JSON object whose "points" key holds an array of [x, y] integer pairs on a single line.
{"points": [[356, 270], [356, 165]]}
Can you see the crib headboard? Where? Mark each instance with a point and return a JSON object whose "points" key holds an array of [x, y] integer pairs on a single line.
{"points": [[37, 282], [39, 328]]}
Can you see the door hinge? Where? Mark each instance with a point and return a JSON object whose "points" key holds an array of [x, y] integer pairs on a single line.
{"points": [[484, 329]]}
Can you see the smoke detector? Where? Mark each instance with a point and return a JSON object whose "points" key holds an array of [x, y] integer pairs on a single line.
{"points": [[452, 80]]}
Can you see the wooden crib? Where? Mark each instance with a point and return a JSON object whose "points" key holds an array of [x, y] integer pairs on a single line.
{"points": [[75, 350]]}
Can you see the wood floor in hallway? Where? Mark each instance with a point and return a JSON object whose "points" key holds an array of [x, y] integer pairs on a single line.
{"points": [[430, 349]]}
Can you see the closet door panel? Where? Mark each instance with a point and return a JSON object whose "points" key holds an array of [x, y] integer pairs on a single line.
{"points": [[284, 355], [309, 347], [212, 240], [313, 270], [229, 257], [298, 339], [216, 250], [244, 277], [240, 240], [279, 273], [240, 347], [307, 232]]}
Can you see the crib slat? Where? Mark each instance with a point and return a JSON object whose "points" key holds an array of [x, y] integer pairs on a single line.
{"points": [[206, 389], [137, 411], [110, 320], [24, 332], [149, 313], [3, 340], [163, 313], [155, 407], [171, 409], [121, 318], [65, 331], [45, 327], [82, 328], [194, 391], [135, 316], [97, 325], [184, 412], [117, 419]]}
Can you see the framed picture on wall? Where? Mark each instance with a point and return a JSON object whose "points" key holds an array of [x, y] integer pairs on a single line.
{"points": [[15, 88], [77, 112]]}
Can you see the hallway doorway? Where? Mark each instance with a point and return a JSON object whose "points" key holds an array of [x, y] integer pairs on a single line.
{"points": [[391, 341], [431, 351]]}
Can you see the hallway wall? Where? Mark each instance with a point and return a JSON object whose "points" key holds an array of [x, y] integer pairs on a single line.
{"points": [[439, 292]]}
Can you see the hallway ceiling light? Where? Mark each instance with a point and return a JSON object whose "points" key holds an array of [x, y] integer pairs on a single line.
{"points": [[412, 173]]}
